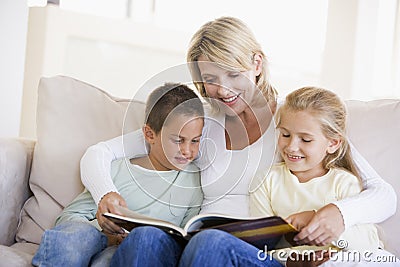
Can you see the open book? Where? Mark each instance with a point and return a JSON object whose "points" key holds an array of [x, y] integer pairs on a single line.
{"points": [[259, 231]]}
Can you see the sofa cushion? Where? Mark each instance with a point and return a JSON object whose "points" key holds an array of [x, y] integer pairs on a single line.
{"points": [[374, 128], [71, 116]]}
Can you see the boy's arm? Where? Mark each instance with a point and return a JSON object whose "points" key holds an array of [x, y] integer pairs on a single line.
{"points": [[82, 209]]}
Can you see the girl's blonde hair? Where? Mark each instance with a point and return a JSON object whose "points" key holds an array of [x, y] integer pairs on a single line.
{"points": [[228, 42], [330, 110]]}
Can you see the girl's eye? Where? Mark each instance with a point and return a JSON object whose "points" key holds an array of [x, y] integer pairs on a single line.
{"points": [[306, 140], [285, 135]]}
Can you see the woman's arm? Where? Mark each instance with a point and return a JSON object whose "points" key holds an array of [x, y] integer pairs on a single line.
{"points": [[96, 162], [378, 197], [96, 173]]}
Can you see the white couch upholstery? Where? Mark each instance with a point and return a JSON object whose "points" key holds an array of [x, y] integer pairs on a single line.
{"points": [[38, 178]]}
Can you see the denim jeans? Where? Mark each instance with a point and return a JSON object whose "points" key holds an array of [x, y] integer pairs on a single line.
{"points": [[217, 248], [148, 246], [69, 244]]}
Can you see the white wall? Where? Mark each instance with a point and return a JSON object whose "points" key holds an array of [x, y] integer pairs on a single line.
{"points": [[116, 55], [13, 29]]}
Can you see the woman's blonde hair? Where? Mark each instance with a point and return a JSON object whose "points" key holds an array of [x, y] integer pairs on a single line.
{"points": [[228, 42], [330, 110]]}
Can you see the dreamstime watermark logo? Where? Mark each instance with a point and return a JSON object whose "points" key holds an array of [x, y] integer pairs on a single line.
{"points": [[337, 253]]}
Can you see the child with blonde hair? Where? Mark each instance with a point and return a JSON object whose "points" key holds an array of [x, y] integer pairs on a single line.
{"points": [[317, 168]]}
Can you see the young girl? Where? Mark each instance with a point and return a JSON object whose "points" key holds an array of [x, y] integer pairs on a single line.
{"points": [[317, 168]]}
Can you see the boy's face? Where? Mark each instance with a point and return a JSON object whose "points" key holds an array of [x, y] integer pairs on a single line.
{"points": [[177, 144]]}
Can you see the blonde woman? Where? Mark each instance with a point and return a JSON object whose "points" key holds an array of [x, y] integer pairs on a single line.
{"points": [[229, 69]]}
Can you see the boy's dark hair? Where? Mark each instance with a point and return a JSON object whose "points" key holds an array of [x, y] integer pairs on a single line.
{"points": [[171, 97]]}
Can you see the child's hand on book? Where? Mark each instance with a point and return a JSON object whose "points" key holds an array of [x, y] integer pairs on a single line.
{"points": [[325, 226], [115, 239], [108, 203], [301, 219]]}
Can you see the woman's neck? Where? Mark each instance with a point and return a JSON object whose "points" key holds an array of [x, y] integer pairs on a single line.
{"points": [[246, 128]]}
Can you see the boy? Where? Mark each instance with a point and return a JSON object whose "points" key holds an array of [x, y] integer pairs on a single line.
{"points": [[162, 184]]}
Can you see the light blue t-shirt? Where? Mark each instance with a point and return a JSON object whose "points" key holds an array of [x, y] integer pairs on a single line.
{"points": [[173, 196]]}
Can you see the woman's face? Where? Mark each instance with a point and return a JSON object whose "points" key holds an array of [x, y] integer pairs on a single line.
{"points": [[235, 90]]}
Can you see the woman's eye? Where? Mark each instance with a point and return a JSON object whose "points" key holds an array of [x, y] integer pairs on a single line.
{"points": [[208, 80], [234, 74]]}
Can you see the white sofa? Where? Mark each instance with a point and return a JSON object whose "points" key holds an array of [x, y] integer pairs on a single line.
{"points": [[39, 177]]}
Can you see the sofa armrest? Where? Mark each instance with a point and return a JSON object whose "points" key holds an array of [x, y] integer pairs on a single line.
{"points": [[15, 165]]}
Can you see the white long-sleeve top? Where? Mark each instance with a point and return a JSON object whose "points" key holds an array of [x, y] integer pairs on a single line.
{"points": [[226, 175]]}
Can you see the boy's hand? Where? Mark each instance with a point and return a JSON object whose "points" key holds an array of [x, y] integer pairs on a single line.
{"points": [[325, 226], [115, 239], [107, 204]]}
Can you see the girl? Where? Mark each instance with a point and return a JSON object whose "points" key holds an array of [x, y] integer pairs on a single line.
{"points": [[318, 167]]}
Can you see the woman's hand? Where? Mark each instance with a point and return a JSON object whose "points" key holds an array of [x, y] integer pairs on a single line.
{"points": [[107, 204], [325, 226]]}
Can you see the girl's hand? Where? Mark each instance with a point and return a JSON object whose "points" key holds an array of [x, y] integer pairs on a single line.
{"points": [[325, 226], [301, 219], [107, 204]]}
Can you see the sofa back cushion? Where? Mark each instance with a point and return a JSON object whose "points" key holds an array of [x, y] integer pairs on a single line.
{"points": [[374, 129], [71, 116]]}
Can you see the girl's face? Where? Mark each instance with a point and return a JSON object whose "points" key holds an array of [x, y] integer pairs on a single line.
{"points": [[235, 90], [303, 145], [177, 144]]}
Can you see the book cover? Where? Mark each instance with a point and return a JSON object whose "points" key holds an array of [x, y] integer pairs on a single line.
{"points": [[259, 231]]}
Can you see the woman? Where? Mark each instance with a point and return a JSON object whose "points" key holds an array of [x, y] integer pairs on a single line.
{"points": [[229, 69]]}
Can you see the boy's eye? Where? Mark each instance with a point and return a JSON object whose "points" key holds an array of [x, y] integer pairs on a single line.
{"points": [[177, 141], [195, 141]]}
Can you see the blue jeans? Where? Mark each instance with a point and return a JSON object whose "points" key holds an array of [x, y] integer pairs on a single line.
{"points": [[148, 246], [217, 248], [69, 244]]}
